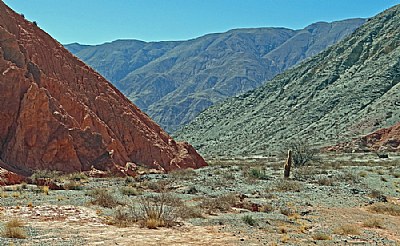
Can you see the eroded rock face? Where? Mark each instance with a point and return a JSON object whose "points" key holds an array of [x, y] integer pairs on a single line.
{"points": [[57, 113], [386, 139]]}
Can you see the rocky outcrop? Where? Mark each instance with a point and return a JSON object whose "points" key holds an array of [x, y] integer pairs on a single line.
{"points": [[386, 139], [57, 113]]}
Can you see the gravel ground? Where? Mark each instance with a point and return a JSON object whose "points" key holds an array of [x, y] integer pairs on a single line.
{"points": [[231, 202]]}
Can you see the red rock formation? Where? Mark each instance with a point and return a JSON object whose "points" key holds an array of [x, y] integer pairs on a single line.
{"points": [[57, 113], [386, 139]]}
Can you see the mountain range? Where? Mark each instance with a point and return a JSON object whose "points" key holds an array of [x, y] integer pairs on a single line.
{"points": [[348, 90], [174, 81]]}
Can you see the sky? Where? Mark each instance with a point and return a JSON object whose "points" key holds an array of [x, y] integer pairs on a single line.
{"points": [[100, 21]]}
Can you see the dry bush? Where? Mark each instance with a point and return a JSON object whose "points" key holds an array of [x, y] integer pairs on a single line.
{"points": [[14, 229], [288, 211], [373, 223], [266, 208], [321, 236], [385, 208], [129, 191], [124, 216], [182, 174], [302, 153], [347, 229], [158, 211], [219, 204], [288, 185], [72, 185], [325, 181], [104, 198]]}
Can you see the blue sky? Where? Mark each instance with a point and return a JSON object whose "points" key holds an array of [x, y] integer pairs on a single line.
{"points": [[99, 21]]}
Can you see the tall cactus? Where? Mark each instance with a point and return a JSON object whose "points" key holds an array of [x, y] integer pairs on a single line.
{"points": [[288, 165]]}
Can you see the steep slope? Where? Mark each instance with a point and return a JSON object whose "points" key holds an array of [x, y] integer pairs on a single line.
{"points": [[174, 81], [57, 113], [348, 90]]}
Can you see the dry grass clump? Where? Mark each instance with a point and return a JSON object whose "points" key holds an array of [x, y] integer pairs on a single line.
{"points": [[124, 216], [182, 174], [104, 198], [158, 211], [321, 236], [288, 185], [219, 204], [14, 229], [325, 181], [385, 208], [73, 185], [129, 191], [373, 223], [347, 229]]}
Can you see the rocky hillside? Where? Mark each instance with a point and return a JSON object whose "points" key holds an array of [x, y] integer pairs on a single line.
{"points": [[349, 90], [386, 139], [174, 81], [57, 113]]}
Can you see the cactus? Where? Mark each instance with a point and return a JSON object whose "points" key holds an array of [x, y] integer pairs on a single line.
{"points": [[288, 165]]}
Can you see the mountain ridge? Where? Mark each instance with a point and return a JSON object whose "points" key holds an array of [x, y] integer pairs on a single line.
{"points": [[179, 79], [346, 91]]}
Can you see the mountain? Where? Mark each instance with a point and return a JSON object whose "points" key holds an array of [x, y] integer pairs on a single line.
{"points": [[174, 81], [57, 113], [348, 90]]}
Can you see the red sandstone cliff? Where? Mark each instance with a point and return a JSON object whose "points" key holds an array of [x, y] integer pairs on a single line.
{"points": [[386, 139], [57, 113]]}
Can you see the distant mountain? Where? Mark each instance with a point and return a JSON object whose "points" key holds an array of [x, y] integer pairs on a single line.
{"points": [[174, 81], [348, 90]]}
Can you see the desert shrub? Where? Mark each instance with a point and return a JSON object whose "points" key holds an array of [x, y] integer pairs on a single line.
{"points": [[219, 204], [182, 174], [124, 216], [14, 229], [189, 212], [321, 236], [373, 223], [325, 181], [302, 153], [158, 211], [288, 185], [266, 208], [248, 219], [104, 198], [72, 185], [347, 229], [77, 176], [349, 176], [396, 175], [129, 191], [287, 210], [45, 174], [257, 173], [385, 208]]}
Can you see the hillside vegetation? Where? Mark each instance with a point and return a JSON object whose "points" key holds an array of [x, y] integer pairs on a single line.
{"points": [[346, 91]]}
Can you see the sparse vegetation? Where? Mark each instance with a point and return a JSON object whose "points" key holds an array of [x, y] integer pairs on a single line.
{"points": [[385, 208], [347, 229], [373, 223], [302, 153], [14, 229], [248, 219], [321, 236], [104, 198]]}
